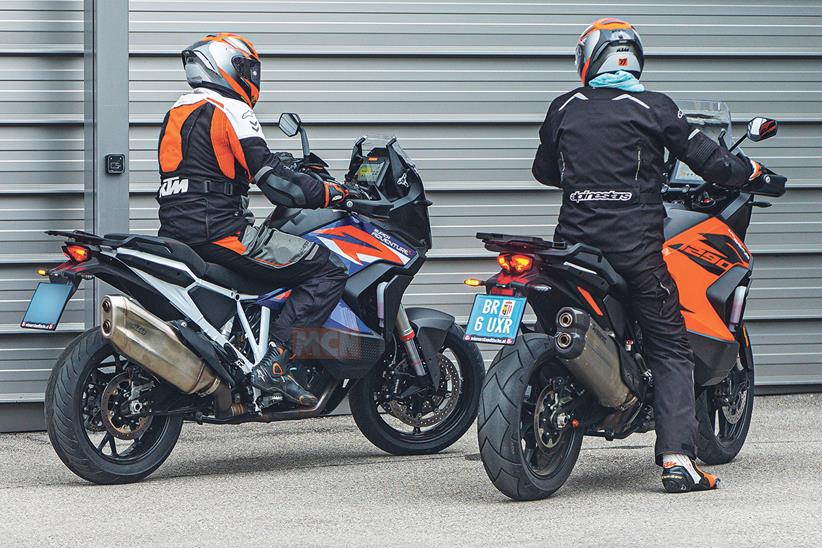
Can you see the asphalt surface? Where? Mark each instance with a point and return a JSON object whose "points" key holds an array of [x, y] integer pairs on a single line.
{"points": [[320, 482]]}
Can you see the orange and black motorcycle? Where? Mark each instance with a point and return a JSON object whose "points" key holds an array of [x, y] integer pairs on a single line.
{"points": [[578, 369]]}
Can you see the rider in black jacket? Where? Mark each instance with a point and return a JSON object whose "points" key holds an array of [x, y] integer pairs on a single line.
{"points": [[603, 145]]}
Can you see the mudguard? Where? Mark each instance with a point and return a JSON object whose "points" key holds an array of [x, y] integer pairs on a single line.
{"points": [[430, 327]]}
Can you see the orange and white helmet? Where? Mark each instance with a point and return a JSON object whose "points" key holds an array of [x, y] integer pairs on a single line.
{"points": [[609, 45], [225, 62]]}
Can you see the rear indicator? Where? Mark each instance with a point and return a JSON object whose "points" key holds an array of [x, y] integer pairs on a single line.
{"points": [[515, 263], [76, 253], [42, 272], [473, 282]]}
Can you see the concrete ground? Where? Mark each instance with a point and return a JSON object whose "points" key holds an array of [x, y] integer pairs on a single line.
{"points": [[321, 483]]}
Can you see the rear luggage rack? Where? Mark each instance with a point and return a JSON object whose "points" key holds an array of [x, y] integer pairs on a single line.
{"points": [[110, 240], [508, 242], [585, 262]]}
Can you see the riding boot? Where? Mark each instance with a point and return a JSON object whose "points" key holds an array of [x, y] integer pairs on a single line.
{"points": [[272, 374]]}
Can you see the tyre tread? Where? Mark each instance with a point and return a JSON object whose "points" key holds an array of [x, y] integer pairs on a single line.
{"points": [[59, 402], [497, 444]]}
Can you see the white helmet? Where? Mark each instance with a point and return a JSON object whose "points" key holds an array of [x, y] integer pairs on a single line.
{"points": [[609, 45], [225, 62]]}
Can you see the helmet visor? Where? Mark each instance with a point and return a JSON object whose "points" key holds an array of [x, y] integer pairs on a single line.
{"points": [[248, 69]]}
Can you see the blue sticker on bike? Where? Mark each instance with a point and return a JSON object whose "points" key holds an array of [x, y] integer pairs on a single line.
{"points": [[495, 319]]}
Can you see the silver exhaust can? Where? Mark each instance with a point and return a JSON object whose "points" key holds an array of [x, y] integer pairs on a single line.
{"points": [[591, 355], [152, 344]]}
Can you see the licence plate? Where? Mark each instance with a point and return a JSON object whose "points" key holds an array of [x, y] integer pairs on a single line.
{"points": [[47, 306], [495, 319]]}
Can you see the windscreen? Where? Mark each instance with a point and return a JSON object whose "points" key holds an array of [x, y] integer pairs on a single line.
{"points": [[711, 118]]}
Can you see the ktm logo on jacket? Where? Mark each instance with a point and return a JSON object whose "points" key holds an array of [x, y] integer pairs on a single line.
{"points": [[173, 185]]}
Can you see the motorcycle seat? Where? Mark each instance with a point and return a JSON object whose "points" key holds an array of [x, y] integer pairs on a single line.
{"points": [[176, 250], [230, 279], [167, 248], [583, 258]]}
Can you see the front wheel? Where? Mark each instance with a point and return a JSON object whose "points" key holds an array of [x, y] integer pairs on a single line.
{"points": [[724, 411], [402, 420], [93, 419], [526, 434]]}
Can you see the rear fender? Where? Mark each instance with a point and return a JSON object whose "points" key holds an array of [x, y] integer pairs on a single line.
{"points": [[120, 277]]}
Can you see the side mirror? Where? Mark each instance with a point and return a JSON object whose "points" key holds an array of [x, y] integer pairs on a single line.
{"points": [[760, 129], [290, 123]]}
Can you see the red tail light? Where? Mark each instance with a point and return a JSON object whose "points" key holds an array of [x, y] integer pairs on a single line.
{"points": [[515, 263], [77, 253]]}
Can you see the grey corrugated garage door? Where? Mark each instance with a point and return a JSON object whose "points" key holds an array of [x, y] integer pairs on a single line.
{"points": [[465, 84], [41, 177]]}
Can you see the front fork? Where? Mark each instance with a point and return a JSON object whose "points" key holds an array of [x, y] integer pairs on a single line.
{"points": [[406, 332]]}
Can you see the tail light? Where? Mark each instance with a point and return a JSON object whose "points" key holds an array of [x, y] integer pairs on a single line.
{"points": [[77, 253], [515, 263]]}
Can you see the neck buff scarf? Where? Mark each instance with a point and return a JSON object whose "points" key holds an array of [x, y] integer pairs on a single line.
{"points": [[620, 79]]}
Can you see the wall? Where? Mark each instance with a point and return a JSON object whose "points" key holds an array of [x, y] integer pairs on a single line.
{"points": [[41, 182], [463, 84]]}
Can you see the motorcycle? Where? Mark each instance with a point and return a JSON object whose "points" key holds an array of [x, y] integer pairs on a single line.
{"points": [[180, 341], [580, 370]]}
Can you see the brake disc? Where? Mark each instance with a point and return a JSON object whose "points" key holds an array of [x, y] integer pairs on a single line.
{"points": [[547, 436], [734, 412], [736, 409], [436, 407], [114, 396]]}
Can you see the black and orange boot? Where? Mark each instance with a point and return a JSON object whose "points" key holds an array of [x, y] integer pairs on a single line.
{"points": [[680, 475], [271, 375]]}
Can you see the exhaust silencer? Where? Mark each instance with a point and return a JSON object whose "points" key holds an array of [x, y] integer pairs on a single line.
{"points": [[592, 357], [148, 341]]}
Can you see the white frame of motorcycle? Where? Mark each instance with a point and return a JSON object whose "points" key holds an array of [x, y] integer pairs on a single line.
{"points": [[180, 298]]}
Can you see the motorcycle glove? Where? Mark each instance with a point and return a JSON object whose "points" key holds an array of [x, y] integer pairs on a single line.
{"points": [[756, 167], [334, 194]]}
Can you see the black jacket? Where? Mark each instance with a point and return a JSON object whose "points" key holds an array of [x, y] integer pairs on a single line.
{"points": [[211, 149], [604, 148]]}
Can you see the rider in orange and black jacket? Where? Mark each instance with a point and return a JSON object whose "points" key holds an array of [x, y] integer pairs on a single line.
{"points": [[211, 150]]}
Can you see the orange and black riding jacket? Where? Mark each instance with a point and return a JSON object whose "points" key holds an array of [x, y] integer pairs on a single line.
{"points": [[210, 149]]}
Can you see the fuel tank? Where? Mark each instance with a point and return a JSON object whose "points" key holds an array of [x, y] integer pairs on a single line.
{"points": [[708, 262]]}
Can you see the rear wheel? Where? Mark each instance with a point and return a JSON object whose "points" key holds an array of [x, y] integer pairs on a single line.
{"points": [[724, 411], [401, 420], [93, 420], [527, 441]]}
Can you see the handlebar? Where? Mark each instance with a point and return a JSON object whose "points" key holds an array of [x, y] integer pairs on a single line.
{"points": [[687, 190], [768, 184]]}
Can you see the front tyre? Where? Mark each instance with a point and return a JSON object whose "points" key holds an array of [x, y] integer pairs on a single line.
{"points": [[85, 397], [426, 422], [526, 440], [724, 410]]}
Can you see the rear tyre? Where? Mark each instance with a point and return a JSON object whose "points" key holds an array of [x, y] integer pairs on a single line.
{"points": [[724, 411], [429, 422], [82, 408], [523, 461]]}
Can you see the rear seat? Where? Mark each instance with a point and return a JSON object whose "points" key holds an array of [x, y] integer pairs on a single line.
{"points": [[176, 250]]}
